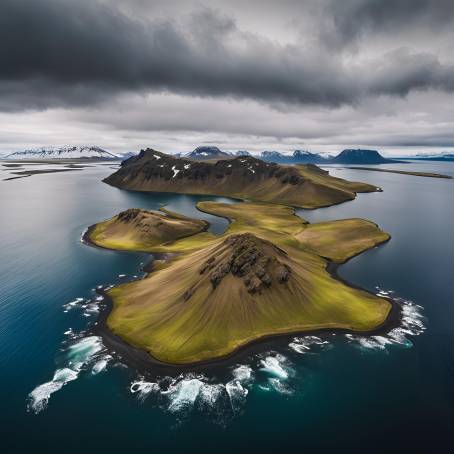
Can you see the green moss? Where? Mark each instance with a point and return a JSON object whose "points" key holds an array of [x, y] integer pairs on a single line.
{"points": [[156, 315]]}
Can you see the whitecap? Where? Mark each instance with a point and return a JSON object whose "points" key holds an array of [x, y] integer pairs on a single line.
{"points": [[183, 394], [76, 357], [274, 365], [39, 397], [243, 374], [304, 344], [72, 304], [101, 364], [209, 395], [91, 309], [412, 324], [264, 388], [280, 387], [143, 388], [237, 394]]}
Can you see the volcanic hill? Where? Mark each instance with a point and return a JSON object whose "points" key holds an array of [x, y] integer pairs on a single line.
{"points": [[140, 229], [244, 177], [265, 276]]}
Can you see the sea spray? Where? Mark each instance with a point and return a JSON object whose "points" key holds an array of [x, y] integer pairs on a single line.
{"points": [[75, 358], [306, 344], [412, 324]]}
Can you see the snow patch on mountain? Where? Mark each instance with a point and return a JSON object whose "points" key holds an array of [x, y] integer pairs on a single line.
{"points": [[66, 152]]}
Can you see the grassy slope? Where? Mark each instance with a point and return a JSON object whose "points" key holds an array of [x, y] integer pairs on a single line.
{"points": [[160, 229], [152, 313], [341, 240], [325, 190]]}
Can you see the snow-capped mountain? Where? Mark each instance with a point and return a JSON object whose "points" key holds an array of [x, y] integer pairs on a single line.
{"points": [[242, 153], [68, 152], [298, 157], [202, 153]]}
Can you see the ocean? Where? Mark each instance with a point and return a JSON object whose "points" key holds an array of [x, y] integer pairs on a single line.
{"points": [[63, 391]]}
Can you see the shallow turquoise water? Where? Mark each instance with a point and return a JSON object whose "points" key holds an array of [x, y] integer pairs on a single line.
{"points": [[344, 394]]}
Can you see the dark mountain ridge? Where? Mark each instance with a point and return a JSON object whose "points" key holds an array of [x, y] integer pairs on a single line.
{"points": [[243, 177]]}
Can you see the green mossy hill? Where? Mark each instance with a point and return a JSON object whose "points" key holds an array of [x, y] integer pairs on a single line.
{"points": [[140, 230], [265, 276]]}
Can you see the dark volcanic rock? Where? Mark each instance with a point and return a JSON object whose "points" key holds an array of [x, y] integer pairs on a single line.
{"points": [[152, 165], [129, 214], [253, 260]]}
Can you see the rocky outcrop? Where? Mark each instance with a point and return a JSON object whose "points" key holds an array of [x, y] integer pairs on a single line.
{"points": [[150, 164], [251, 259]]}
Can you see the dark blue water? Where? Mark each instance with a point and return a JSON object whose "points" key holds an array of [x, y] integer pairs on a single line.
{"points": [[347, 394]]}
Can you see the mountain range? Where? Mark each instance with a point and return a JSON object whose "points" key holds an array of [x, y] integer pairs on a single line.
{"points": [[66, 152], [348, 156], [446, 156]]}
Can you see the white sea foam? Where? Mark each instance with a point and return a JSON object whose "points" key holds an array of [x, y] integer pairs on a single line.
{"points": [[412, 324], [91, 309], [76, 357], [191, 392], [143, 388], [101, 364], [275, 365], [39, 397], [72, 304], [237, 394], [209, 395], [280, 386], [183, 394], [243, 374], [305, 344]]}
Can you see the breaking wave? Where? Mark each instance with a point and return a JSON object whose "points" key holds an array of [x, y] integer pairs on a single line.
{"points": [[191, 393], [412, 324], [306, 344], [76, 357]]}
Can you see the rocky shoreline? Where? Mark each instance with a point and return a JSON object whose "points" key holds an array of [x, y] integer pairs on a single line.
{"points": [[142, 361]]}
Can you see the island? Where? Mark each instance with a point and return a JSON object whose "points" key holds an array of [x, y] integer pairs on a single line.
{"points": [[269, 274], [243, 177]]}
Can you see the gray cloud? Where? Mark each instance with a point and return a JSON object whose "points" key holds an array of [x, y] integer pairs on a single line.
{"points": [[78, 53], [353, 18], [317, 74]]}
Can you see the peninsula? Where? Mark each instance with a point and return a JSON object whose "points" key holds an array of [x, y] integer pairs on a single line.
{"points": [[244, 177], [267, 275], [404, 172]]}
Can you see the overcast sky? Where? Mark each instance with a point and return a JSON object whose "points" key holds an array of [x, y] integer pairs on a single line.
{"points": [[320, 75]]}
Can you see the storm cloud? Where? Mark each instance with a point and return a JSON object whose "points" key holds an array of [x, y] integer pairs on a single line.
{"points": [[65, 53], [304, 61]]}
